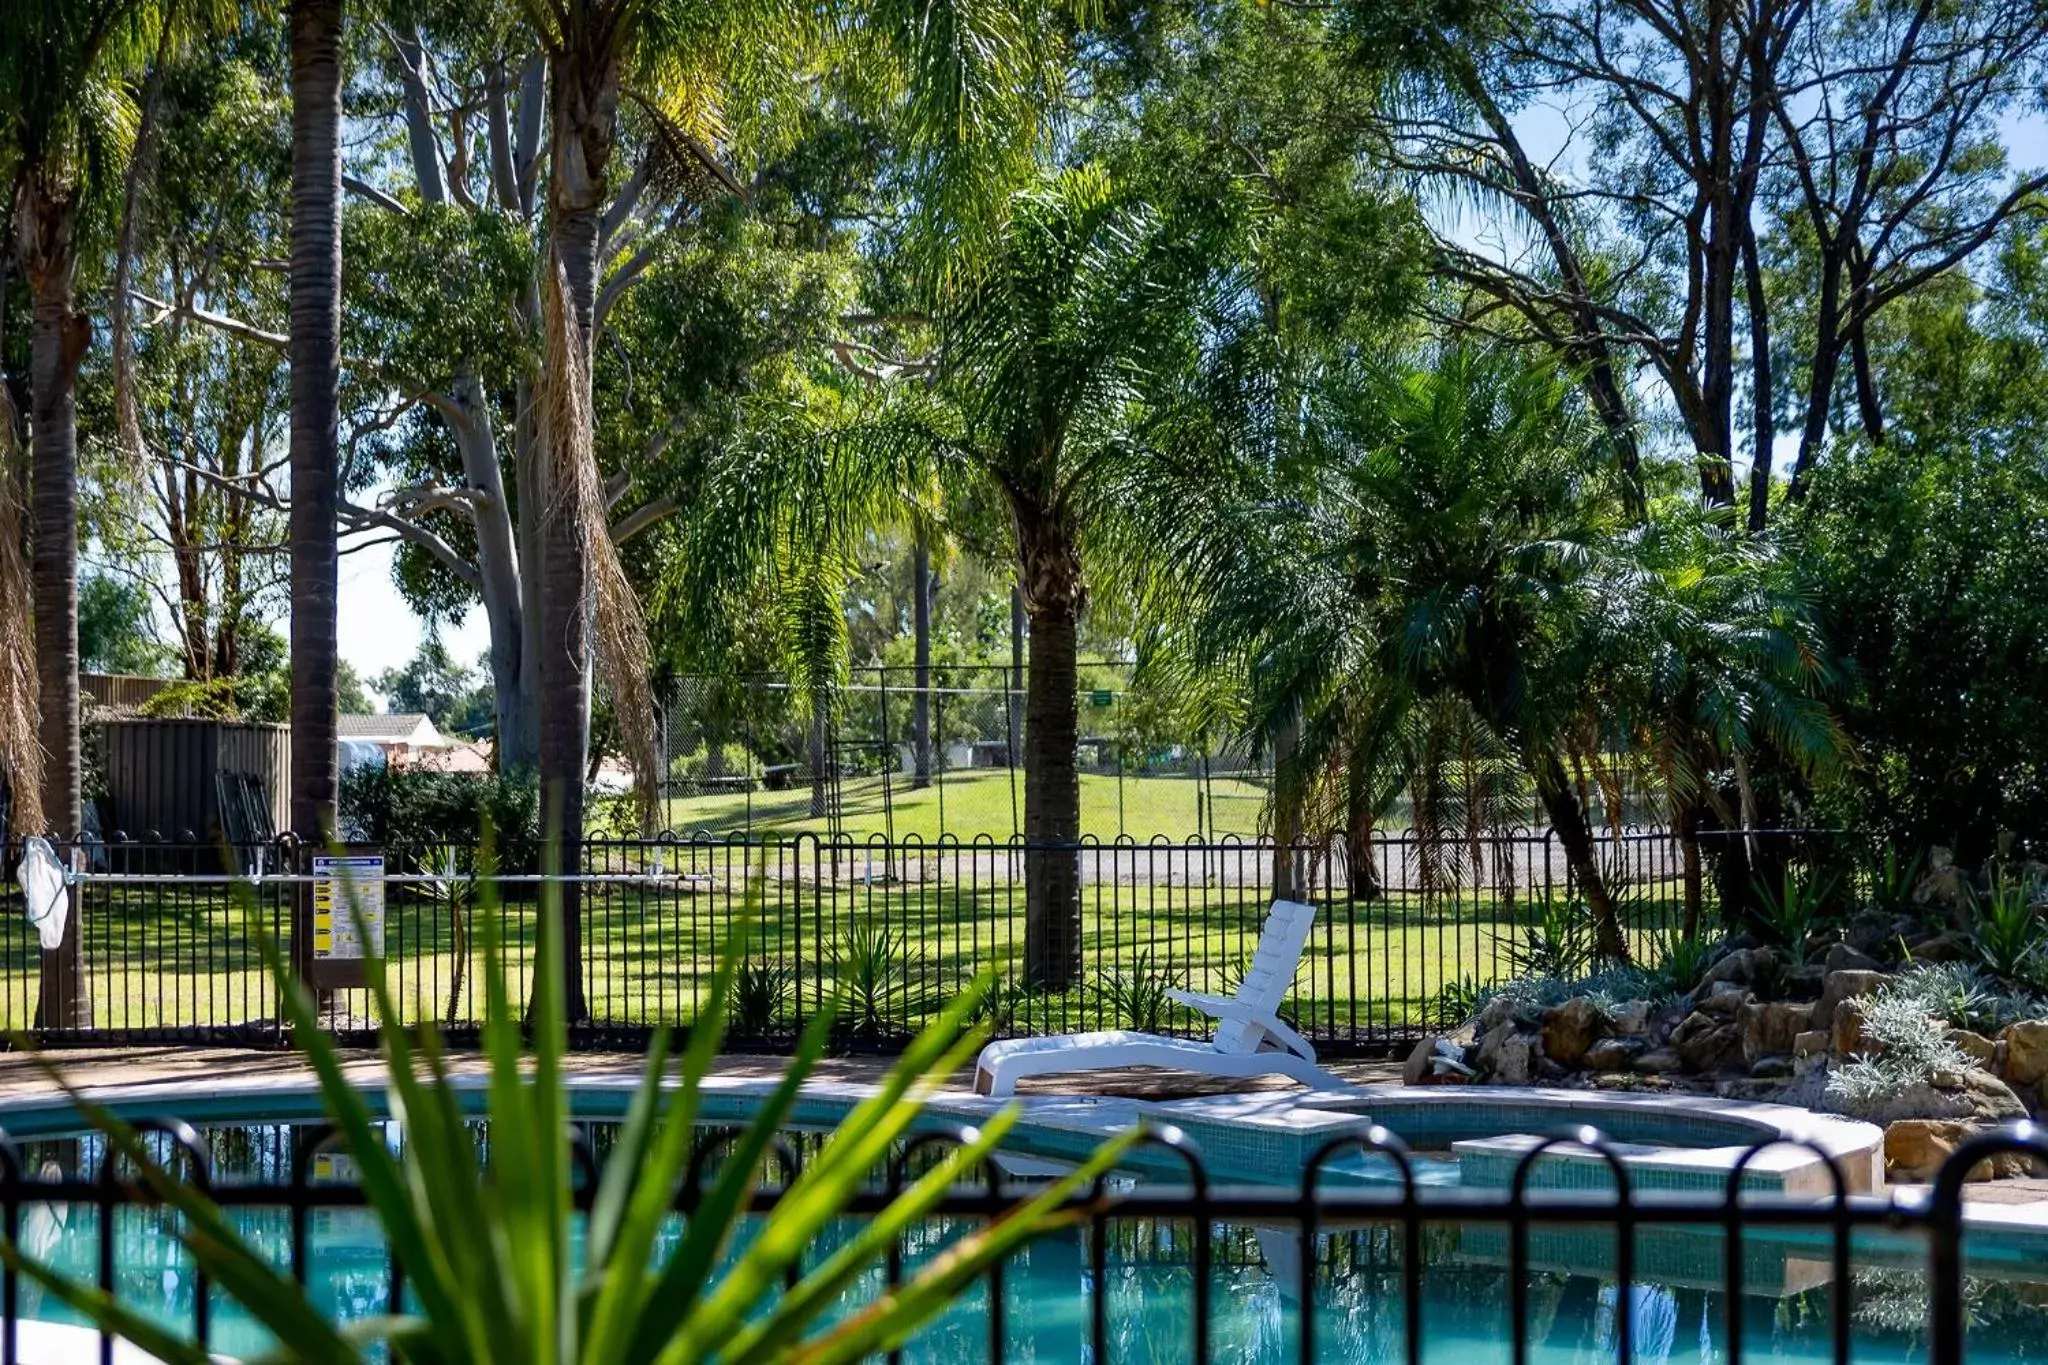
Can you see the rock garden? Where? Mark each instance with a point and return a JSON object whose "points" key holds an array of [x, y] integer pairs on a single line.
{"points": [[1921, 1011]]}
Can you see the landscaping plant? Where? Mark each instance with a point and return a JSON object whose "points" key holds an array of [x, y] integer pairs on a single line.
{"points": [[2006, 929], [1790, 910], [502, 1265]]}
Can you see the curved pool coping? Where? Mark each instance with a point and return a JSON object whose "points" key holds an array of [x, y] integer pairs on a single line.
{"points": [[1242, 1138]]}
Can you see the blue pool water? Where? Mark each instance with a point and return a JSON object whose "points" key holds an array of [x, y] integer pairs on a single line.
{"points": [[1678, 1316]]}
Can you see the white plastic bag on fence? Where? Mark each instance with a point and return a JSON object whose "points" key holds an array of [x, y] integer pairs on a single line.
{"points": [[42, 890]]}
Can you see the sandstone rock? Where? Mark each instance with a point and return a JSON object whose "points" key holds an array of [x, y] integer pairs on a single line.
{"points": [[1803, 983], [1416, 1070], [1499, 1010], [1844, 958], [1809, 1043], [1773, 1066], [1914, 1149], [1507, 1055], [1569, 1029], [1845, 1034], [1948, 947], [1613, 1054], [1873, 934], [1943, 885], [1706, 1043], [1723, 1000], [1657, 1061], [1634, 1019], [1974, 1095], [1844, 985], [1517, 1061], [2026, 1051], [1975, 1046], [1770, 1028], [1743, 966]]}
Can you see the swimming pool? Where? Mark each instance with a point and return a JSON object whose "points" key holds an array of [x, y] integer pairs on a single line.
{"points": [[1144, 1279]]}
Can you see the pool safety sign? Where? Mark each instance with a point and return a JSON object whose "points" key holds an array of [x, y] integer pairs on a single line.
{"points": [[348, 907]]}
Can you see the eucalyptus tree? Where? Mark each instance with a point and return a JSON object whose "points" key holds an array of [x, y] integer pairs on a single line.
{"points": [[1760, 182]]}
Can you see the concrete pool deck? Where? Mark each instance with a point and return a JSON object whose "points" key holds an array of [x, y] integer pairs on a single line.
{"points": [[140, 1071]]}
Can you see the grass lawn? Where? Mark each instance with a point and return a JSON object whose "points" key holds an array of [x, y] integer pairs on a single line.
{"points": [[979, 802], [898, 949]]}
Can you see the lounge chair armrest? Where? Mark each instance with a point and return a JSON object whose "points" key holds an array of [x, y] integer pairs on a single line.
{"points": [[1215, 1006]]}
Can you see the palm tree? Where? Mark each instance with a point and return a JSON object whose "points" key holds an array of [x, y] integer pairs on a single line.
{"points": [[1412, 588], [1046, 345], [315, 355], [63, 66], [1722, 660]]}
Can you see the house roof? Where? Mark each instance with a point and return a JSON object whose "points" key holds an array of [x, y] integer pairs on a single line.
{"points": [[406, 727]]}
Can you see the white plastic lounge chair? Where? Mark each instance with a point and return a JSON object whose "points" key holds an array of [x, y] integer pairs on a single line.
{"points": [[1250, 1037]]}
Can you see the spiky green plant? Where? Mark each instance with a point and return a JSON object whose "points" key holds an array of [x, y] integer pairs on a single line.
{"points": [[488, 1235], [1679, 960], [1790, 910], [1135, 997], [2008, 932], [760, 991], [1558, 940], [877, 981]]}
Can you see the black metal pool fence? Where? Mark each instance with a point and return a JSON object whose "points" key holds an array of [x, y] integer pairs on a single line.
{"points": [[1357, 1255], [167, 948]]}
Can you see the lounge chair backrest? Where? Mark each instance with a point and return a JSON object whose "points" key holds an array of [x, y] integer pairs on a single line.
{"points": [[1269, 974]]}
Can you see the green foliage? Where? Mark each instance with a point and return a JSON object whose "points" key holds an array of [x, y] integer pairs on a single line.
{"points": [[1926, 557], [2007, 928], [115, 634], [1892, 880], [1136, 996], [1455, 1004], [1960, 993], [1792, 911], [406, 806], [434, 685], [1557, 941], [1678, 960], [1905, 1048], [761, 992], [876, 976], [497, 1262]]}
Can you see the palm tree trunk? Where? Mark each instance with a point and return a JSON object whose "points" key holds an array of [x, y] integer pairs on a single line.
{"points": [[57, 341], [1568, 818], [1053, 596], [921, 704], [315, 352], [1288, 798], [583, 100]]}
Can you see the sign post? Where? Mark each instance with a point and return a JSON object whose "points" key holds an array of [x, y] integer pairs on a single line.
{"points": [[348, 917]]}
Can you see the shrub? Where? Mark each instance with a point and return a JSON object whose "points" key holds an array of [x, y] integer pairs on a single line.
{"points": [[2006, 930], [1558, 940], [397, 806], [1962, 994], [1907, 1049], [1789, 911], [760, 990], [1136, 997]]}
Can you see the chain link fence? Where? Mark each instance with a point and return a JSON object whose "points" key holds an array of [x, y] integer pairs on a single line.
{"points": [[880, 755]]}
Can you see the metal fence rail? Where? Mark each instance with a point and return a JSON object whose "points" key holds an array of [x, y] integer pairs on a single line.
{"points": [[1372, 1239], [1406, 934]]}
